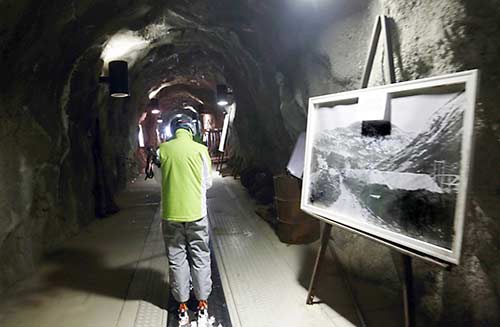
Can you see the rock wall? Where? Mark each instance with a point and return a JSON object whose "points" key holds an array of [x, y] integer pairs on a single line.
{"points": [[429, 38], [64, 143], [61, 159]]}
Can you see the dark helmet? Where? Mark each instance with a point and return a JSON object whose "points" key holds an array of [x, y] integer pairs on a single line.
{"points": [[182, 121]]}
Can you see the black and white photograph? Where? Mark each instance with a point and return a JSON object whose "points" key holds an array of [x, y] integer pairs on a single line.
{"points": [[389, 163]]}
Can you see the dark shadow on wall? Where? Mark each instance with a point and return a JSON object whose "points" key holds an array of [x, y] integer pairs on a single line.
{"points": [[104, 203], [396, 45]]}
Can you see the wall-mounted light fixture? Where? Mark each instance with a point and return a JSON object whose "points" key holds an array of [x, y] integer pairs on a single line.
{"points": [[224, 95], [154, 106], [117, 79]]}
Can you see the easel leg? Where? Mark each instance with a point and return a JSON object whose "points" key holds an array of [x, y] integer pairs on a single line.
{"points": [[220, 160], [222, 157], [325, 236], [408, 295]]}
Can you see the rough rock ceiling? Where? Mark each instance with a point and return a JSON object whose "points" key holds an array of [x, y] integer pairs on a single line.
{"points": [[66, 147]]}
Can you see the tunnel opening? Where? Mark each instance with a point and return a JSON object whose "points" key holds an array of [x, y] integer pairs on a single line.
{"points": [[183, 95]]}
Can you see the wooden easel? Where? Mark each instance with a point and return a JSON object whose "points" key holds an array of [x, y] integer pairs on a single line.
{"points": [[402, 257], [221, 155]]}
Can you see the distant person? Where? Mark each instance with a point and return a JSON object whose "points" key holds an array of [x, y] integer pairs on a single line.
{"points": [[186, 176]]}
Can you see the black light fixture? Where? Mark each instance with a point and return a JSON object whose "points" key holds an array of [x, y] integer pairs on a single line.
{"points": [[154, 106], [117, 79], [224, 95]]}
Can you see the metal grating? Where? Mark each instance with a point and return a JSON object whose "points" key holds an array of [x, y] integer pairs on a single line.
{"points": [[149, 315]]}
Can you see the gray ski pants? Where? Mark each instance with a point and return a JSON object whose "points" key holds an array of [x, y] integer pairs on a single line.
{"points": [[189, 258]]}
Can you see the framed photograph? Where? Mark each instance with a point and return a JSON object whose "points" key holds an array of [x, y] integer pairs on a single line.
{"points": [[393, 161]]}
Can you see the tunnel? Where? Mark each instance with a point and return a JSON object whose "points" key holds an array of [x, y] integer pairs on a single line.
{"points": [[81, 240]]}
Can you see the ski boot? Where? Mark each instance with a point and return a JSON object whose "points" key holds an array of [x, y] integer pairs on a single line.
{"points": [[183, 315], [202, 318]]}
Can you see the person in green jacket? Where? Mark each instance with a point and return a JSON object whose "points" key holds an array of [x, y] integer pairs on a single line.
{"points": [[186, 176]]}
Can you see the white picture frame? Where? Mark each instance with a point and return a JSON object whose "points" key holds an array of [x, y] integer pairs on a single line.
{"points": [[371, 184]]}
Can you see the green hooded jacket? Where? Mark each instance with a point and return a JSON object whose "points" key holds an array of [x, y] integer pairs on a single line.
{"points": [[186, 176]]}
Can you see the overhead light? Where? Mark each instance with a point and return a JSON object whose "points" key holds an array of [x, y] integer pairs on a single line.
{"points": [[190, 108], [154, 106], [224, 95], [155, 92], [141, 137], [125, 45], [160, 121], [117, 79]]}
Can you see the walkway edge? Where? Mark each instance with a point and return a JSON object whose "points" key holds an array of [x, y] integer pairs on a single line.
{"points": [[228, 294]]}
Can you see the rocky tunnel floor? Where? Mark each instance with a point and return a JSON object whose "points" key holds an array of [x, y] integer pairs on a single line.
{"points": [[114, 273]]}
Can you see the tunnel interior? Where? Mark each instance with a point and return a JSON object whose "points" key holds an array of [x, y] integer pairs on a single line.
{"points": [[67, 148]]}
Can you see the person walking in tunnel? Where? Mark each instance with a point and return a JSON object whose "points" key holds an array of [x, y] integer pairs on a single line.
{"points": [[186, 176]]}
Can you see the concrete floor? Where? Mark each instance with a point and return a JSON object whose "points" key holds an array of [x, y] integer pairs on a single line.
{"points": [[115, 273], [267, 280]]}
